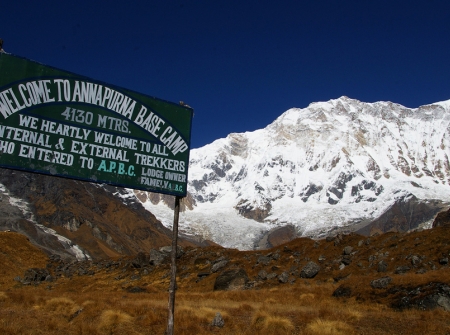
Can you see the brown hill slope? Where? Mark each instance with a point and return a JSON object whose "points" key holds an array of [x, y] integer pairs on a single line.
{"points": [[87, 214], [16, 255], [274, 293], [129, 295]]}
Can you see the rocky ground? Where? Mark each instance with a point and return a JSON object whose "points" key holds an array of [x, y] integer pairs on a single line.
{"points": [[399, 270]]}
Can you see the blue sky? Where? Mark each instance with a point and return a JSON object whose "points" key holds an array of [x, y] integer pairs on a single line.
{"points": [[241, 64]]}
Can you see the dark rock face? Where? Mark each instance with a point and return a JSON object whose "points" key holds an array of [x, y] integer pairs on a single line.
{"points": [[442, 219], [406, 214], [249, 211], [310, 270], [36, 276], [338, 188], [234, 279], [310, 190], [281, 235], [425, 297]]}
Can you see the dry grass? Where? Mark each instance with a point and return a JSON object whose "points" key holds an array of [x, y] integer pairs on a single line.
{"points": [[329, 327], [288, 310], [101, 304], [113, 321]]}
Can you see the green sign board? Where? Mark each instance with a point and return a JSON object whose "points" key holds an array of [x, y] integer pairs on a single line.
{"points": [[59, 123]]}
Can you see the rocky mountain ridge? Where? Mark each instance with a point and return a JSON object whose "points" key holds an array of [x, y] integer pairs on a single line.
{"points": [[341, 164]]}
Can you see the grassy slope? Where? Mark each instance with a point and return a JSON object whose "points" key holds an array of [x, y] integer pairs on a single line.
{"points": [[102, 304]]}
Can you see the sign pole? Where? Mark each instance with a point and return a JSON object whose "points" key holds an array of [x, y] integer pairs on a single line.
{"points": [[173, 283]]}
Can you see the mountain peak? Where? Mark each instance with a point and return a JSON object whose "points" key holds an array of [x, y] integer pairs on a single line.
{"points": [[339, 164]]}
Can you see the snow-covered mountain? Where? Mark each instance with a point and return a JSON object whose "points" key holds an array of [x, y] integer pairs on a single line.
{"points": [[339, 164]]}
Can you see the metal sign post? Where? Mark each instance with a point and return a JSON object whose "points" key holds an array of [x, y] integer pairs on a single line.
{"points": [[173, 277]]}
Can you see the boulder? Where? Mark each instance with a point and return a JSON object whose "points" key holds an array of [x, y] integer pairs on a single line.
{"points": [[348, 250], [157, 257], [425, 297], [168, 249], [310, 270], [233, 279]]}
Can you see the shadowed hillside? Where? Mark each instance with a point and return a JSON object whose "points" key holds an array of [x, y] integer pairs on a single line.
{"points": [[89, 215]]}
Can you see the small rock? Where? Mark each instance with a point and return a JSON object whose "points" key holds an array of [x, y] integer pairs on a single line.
{"points": [[310, 270], [348, 250], [283, 278], [271, 275], [218, 321], [402, 269], [382, 266], [443, 261], [135, 289], [262, 274], [346, 260], [264, 260], [415, 261], [381, 282], [444, 302]]}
